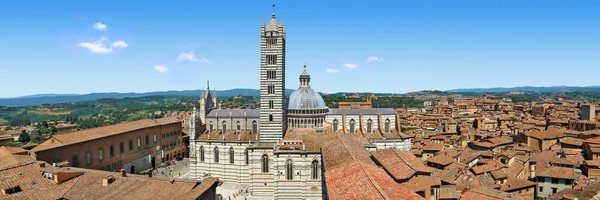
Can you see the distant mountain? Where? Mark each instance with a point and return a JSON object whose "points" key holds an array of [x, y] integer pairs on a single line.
{"points": [[39, 99], [530, 88]]}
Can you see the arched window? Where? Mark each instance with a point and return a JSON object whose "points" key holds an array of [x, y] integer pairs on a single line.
{"points": [[254, 127], [315, 169], [224, 126], [246, 156], [139, 140], [335, 125], [387, 125], [130, 145], [352, 125], [369, 126], [211, 127], [88, 157], [270, 118], [238, 126], [201, 153], [265, 164], [216, 154], [289, 170], [231, 155]]}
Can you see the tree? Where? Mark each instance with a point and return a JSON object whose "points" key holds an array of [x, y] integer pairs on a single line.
{"points": [[45, 124], [37, 139], [8, 128], [24, 137], [45, 131]]}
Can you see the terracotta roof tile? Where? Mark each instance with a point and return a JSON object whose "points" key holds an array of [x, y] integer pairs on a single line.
{"points": [[101, 132], [351, 174], [558, 172]]}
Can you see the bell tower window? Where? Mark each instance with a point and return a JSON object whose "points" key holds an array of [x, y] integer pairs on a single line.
{"points": [[271, 42], [271, 89], [271, 74], [271, 59]]}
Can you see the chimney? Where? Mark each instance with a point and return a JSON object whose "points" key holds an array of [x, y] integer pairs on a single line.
{"points": [[107, 180], [123, 173]]}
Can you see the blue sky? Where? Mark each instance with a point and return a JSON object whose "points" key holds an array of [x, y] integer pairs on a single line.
{"points": [[437, 44]]}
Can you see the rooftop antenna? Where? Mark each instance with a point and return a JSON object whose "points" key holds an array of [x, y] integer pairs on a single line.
{"points": [[273, 7]]}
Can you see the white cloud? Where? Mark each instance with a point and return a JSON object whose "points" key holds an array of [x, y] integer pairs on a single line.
{"points": [[98, 46], [374, 59], [100, 26], [204, 60], [190, 56], [351, 66], [161, 68], [119, 44], [329, 70], [102, 46]]}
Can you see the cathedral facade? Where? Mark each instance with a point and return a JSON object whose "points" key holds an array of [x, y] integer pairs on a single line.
{"points": [[258, 148]]}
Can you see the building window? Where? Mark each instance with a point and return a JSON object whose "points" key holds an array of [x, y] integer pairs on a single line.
{"points": [[88, 157], [75, 160], [201, 153], [554, 181], [270, 118], [315, 169], [271, 89], [567, 182], [101, 154], [271, 74], [271, 104], [139, 142], [335, 125], [254, 127], [238, 126], [246, 156], [271, 42], [387, 125], [121, 147], [289, 170], [211, 126], [231, 155], [216, 151], [265, 164], [352, 125], [130, 145], [369, 126], [271, 59], [155, 138], [554, 190], [111, 150], [224, 126], [147, 139], [541, 189]]}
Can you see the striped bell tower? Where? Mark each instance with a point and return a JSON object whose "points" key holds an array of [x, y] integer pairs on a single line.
{"points": [[272, 81]]}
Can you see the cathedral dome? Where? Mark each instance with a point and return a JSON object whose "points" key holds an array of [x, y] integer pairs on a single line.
{"points": [[305, 97]]}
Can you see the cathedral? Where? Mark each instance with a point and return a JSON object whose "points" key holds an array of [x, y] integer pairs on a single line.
{"points": [[277, 151]]}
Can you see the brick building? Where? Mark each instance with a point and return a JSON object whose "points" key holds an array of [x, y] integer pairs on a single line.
{"points": [[134, 146]]}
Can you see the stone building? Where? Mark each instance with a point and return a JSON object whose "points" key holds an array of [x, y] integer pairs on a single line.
{"points": [[275, 151]]}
